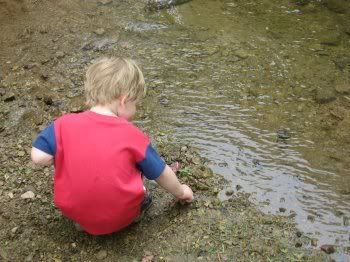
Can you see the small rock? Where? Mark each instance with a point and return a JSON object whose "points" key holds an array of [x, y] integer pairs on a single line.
{"points": [[343, 89], [21, 153], [60, 54], [229, 192], [238, 187], [28, 195], [324, 95], [99, 31], [105, 2], [44, 76], [282, 209], [102, 254], [29, 258], [184, 148], [299, 234], [241, 54], [292, 214], [30, 66], [14, 230], [48, 100], [9, 97], [329, 249], [10, 195], [283, 134], [314, 242], [311, 218]]}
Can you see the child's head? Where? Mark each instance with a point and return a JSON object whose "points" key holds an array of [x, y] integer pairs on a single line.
{"points": [[109, 79]]}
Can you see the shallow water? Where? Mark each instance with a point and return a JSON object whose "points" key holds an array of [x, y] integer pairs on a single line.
{"points": [[234, 73], [231, 75]]}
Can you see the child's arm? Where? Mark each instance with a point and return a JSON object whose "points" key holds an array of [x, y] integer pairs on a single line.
{"points": [[44, 146], [170, 183], [40, 157]]}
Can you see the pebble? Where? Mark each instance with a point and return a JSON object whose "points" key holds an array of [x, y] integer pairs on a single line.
{"points": [[30, 66], [311, 218], [298, 244], [238, 187], [14, 230], [324, 95], [283, 134], [10, 195], [29, 258], [282, 209], [241, 54], [299, 234], [28, 195], [102, 254], [229, 192], [44, 76], [314, 242], [9, 97], [343, 89], [184, 148], [21, 153], [60, 54], [292, 214], [99, 31], [329, 249]]}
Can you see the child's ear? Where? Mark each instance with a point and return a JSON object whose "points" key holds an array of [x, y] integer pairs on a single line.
{"points": [[123, 100]]}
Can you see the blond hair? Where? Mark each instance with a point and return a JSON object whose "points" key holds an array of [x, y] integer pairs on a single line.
{"points": [[110, 78]]}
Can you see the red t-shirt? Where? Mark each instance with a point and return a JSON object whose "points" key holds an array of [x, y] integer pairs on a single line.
{"points": [[98, 164]]}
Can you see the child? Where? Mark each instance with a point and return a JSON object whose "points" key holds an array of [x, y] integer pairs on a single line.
{"points": [[99, 156]]}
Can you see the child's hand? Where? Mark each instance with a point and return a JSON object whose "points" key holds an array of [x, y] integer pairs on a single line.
{"points": [[175, 167], [187, 193]]}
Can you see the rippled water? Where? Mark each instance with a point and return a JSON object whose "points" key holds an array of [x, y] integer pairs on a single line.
{"points": [[234, 73]]}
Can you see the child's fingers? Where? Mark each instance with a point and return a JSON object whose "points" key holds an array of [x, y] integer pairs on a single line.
{"points": [[175, 167]]}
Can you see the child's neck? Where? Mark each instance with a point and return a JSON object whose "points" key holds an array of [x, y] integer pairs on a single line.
{"points": [[104, 110]]}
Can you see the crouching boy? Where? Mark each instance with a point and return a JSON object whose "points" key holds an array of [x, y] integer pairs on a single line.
{"points": [[99, 155]]}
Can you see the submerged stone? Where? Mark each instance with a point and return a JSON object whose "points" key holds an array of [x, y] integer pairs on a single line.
{"points": [[283, 134], [329, 249], [163, 4], [143, 26]]}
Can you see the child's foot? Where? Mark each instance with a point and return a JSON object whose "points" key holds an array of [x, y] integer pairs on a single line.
{"points": [[146, 204]]}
